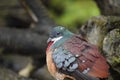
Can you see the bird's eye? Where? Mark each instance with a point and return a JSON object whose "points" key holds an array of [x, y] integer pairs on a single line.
{"points": [[58, 33]]}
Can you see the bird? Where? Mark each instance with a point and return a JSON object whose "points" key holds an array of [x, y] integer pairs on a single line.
{"points": [[69, 55]]}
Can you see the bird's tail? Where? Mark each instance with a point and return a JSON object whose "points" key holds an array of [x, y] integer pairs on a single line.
{"points": [[80, 76]]}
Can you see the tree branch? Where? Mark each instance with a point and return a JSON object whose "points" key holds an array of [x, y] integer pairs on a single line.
{"points": [[40, 15], [39, 11], [109, 7], [22, 41]]}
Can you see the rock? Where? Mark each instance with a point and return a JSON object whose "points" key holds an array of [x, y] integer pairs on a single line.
{"points": [[20, 64], [42, 74], [97, 27], [111, 46], [95, 30], [7, 74]]}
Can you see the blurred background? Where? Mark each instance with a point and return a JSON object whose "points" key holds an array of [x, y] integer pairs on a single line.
{"points": [[69, 13], [25, 24], [72, 13]]}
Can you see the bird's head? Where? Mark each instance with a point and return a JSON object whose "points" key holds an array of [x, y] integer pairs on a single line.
{"points": [[58, 33]]}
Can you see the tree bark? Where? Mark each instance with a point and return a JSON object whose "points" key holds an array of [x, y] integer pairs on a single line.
{"points": [[109, 7]]}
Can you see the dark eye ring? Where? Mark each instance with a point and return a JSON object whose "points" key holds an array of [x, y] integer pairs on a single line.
{"points": [[58, 33]]}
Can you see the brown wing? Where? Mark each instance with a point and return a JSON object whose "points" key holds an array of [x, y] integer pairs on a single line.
{"points": [[91, 62]]}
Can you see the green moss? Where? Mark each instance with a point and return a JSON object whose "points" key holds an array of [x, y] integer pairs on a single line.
{"points": [[115, 60]]}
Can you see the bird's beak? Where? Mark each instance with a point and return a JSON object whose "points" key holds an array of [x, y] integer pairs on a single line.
{"points": [[49, 39]]}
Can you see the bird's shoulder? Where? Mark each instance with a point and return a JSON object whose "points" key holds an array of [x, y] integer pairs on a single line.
{"points": [[79, 45]]}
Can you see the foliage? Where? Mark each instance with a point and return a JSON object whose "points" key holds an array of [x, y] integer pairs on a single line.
{"points": [[73, 12]]}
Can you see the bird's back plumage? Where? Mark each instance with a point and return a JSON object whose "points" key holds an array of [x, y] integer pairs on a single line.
{"points": [[89, 57]]}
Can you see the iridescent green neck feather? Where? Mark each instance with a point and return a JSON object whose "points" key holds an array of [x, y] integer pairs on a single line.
{"points": [[66, 35]]}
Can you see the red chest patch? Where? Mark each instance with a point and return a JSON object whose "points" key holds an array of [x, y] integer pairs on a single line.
{"points": [[49, 44]]}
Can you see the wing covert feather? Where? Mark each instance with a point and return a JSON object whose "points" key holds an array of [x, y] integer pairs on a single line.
{"points": [[89, 57]]}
